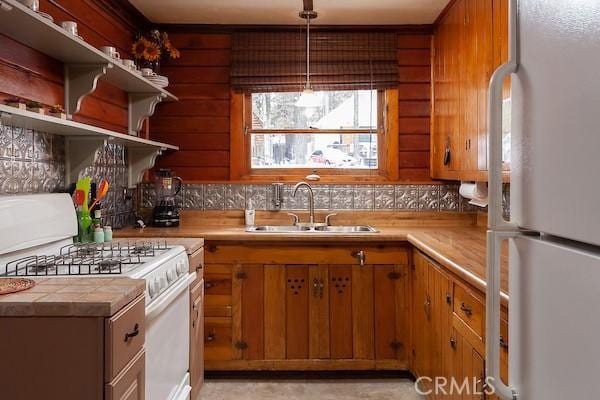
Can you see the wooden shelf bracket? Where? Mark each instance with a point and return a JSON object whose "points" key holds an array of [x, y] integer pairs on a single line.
{"points": [[81, 80], [141, 106], [141, 159], [79, 154]]}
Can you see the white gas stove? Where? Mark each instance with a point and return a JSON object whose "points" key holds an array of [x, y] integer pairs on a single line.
{"points": [[36, 240]]}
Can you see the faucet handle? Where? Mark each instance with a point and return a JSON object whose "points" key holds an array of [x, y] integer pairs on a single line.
{"points": [[328, 218], [296, 219]]}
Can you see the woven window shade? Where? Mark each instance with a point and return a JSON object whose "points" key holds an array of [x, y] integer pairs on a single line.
{"points": [[276, 61]]}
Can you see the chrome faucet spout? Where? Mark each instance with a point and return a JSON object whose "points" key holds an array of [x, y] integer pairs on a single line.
{"points": [[311, 199]]}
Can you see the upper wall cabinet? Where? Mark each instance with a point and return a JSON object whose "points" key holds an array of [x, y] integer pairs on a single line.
{"points": [[469, 43]]}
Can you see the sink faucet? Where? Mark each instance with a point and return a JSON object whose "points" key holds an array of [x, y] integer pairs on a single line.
{"points": [[311, 199]]}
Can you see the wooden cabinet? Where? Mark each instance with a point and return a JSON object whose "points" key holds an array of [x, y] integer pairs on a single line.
{"points": [[290, 306], [81, 357], [129, 384], [447, 322], [197, 338], [197, 325], [469, 43]]}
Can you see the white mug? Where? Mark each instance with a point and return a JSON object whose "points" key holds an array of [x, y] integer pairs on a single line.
{"points": [[32, 4], [111, 52], [129, 63], [148, 72], [70, 26]]}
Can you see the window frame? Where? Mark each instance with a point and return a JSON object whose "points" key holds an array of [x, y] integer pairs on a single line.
{"points": [[387, 145]]}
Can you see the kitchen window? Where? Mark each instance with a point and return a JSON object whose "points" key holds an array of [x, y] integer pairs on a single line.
{"points": [[342, 134]]}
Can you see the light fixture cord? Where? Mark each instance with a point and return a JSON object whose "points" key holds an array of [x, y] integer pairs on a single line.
{"points": [[307, 53]]}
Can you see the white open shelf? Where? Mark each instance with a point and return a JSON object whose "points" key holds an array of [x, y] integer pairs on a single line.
{"points": [[83, 140], [84, 64]]}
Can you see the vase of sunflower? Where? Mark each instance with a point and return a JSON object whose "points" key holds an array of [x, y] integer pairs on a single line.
{"points": [[149, 49]]}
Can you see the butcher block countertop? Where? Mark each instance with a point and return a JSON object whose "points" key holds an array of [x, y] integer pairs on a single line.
{"points": [[459, 247], [72, 297]]}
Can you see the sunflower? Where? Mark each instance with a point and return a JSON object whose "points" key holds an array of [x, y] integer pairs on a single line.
{"points": [[173, 52], [139, 46], [152, 52]]}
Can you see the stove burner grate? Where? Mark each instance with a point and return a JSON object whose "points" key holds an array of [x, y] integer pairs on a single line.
{"points": [[86, 259]]}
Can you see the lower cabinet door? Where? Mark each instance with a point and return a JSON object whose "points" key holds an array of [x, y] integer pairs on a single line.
{"points": [[196, 338], [129, 384]]}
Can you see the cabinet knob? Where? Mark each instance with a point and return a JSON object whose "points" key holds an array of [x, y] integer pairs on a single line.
{"points": [[210, 338], [503, 343], [448, 298], [453, 343], [209, 284], [427, 307]]}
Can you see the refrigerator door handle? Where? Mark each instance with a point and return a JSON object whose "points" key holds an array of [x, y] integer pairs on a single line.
{"points": [[492, 315], [495, 219]]}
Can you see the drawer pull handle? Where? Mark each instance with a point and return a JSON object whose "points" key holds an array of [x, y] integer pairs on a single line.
{"points": [[209, 285], [132, 334], [466, 309], [211, 337]]}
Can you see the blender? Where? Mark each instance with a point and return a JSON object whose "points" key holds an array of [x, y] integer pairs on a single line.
{"points": [[166, 186]]}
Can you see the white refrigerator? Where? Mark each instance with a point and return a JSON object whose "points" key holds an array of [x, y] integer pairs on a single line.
{"points": [[554, 231]]}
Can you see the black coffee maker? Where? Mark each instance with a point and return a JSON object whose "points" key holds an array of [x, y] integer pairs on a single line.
{"points": [[166, 186]]}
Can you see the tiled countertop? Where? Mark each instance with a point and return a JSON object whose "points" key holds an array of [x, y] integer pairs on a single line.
{"points": [[72, 297], [191, 244]]}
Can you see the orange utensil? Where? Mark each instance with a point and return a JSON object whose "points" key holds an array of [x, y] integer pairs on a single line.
{"points": [[102, 190]]}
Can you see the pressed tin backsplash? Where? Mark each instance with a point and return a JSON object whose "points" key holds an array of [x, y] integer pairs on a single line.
{"points": [[34, 162], [401, 197]]}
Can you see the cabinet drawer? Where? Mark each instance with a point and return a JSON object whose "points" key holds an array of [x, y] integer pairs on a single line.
{"points": [[469, 309], [129, 384], [217, 338], [124, 337], [196, 261], [302, 254]]}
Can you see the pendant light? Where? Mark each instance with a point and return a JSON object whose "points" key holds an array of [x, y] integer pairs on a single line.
{"points": [[308, 98]]}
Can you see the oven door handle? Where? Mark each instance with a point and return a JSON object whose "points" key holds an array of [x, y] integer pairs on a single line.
{"points": [[157, 306]]}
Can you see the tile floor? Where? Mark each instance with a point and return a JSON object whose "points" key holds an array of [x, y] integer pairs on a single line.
{"points": [[321, 389]]}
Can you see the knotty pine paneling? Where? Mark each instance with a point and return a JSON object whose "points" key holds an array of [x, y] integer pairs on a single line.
{"points": [[35, 76], [199, 122], [414, 94]]}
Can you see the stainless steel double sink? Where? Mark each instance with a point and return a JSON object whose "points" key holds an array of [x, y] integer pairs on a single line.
{"points": [[311, 229]]}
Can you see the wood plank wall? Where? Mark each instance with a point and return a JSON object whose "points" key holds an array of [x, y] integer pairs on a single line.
{"points": [[199, 122], [414, 102], [28, 73]]}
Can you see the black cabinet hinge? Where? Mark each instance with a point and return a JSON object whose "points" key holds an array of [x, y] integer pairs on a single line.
{"points": [[241, 345], [241, 275], [394, 275]]}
